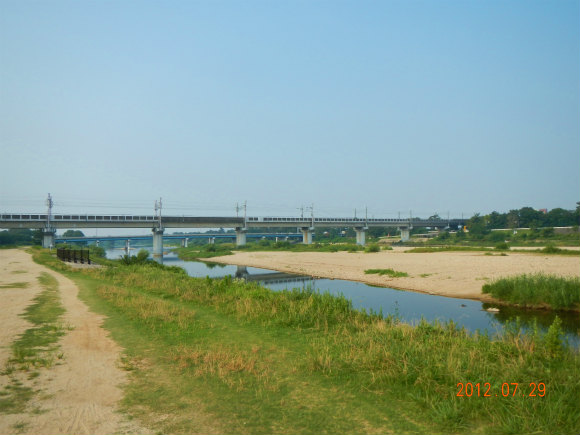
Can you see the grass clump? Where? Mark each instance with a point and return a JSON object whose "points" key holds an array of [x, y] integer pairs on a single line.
{"points": [[389, 272], [14, 285], [36, 348], [373, 247], [537, 290]]}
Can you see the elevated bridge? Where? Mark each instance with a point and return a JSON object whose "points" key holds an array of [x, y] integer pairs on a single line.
{"points": [[49, 223]]}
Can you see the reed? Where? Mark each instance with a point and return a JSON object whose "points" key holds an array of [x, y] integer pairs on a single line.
{"points": [[535, 290]]}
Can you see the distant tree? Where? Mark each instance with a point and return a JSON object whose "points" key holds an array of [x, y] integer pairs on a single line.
{"points": [[476, 226], [513, 219], [530, 218], [20, 237], [558, 217], [496, 220], [73, 233]]}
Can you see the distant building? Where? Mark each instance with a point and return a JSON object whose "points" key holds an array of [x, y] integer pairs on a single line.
{"points": [[544, 210]]}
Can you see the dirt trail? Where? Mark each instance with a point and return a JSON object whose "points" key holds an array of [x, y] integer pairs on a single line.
{"points": [[80, 395]]}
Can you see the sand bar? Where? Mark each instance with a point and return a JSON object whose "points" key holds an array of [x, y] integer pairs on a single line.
{"points": [[453, 274]]}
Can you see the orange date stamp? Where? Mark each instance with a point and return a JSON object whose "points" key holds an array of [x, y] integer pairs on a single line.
{"points": [[508, 389]]}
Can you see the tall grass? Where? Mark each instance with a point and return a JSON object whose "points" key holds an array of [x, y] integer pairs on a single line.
{"points": [[537, 289]]}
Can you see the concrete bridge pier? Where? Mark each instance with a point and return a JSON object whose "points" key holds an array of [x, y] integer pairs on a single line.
{"points": [[158, 244], [405, 234], [242, 272], [48, 238], [241, 236], [185, 242], [307, 235], [127, 246], [360, 235]]}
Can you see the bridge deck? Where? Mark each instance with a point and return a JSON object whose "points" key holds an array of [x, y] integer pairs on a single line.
{"points": [[133, 221]]}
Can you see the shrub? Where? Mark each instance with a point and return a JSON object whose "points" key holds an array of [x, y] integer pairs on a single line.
{"points": [[503, 246], [373, 247]]}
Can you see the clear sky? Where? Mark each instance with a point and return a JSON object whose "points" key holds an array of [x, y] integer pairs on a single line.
{"points": [[423, 106]]}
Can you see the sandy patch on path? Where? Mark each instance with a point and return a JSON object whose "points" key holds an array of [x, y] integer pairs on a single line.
{"points": [[80, 395], [453, 274], [15, 267]]}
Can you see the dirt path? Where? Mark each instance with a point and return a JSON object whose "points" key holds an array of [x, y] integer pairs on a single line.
{"points": [[453, 274], [80, 395]]}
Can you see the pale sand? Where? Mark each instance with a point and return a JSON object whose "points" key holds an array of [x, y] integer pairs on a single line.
{"points": [[80, 394], [453, 274]]}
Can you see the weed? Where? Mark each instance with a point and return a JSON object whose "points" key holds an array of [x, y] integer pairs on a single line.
{"points": [[389, 272], [15, 285], [36, 347]]}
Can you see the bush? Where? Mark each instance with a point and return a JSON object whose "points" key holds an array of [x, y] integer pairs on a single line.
{"points": [[373, 247], [503, 246]]}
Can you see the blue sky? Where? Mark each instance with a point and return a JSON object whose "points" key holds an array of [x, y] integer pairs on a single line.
{"points": [[422, 106]]}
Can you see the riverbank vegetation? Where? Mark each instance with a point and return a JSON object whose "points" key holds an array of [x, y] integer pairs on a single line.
{"points": [[389, 272], [234, 357], [560, 293], [502, 247]]}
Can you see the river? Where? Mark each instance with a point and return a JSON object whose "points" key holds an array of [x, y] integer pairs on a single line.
{"points": [[409, 307]]}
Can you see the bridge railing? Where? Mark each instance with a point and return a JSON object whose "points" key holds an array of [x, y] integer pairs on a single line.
{"points": [[74, 255]]}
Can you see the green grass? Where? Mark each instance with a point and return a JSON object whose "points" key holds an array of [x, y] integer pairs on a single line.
{"points": [[548, 250], [389, 272], [421, 250], [232, 357], [36, 348], [537, 290], [14, 285]]}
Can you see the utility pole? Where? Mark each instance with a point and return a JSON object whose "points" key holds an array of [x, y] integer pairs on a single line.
{"points": [[245, 212], [158, 206], [311, 213], [49, 204], [237, 210], [301, 211]]}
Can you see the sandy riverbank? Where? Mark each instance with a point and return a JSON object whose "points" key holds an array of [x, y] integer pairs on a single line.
{"points": [[453, 274]]}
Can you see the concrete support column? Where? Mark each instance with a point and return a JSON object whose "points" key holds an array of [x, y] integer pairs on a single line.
{"points": [[48, 238], [405, 234], [307, 235], [360, 235], [158, 244], [241, 236], [185, 242], [241, 272], [97, 243], [127, 246]]}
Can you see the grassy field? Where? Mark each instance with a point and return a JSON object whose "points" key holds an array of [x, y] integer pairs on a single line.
{"points": [[224, 356]]}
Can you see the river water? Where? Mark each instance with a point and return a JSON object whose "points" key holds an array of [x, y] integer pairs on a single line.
{"points": [[409, 306]]}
